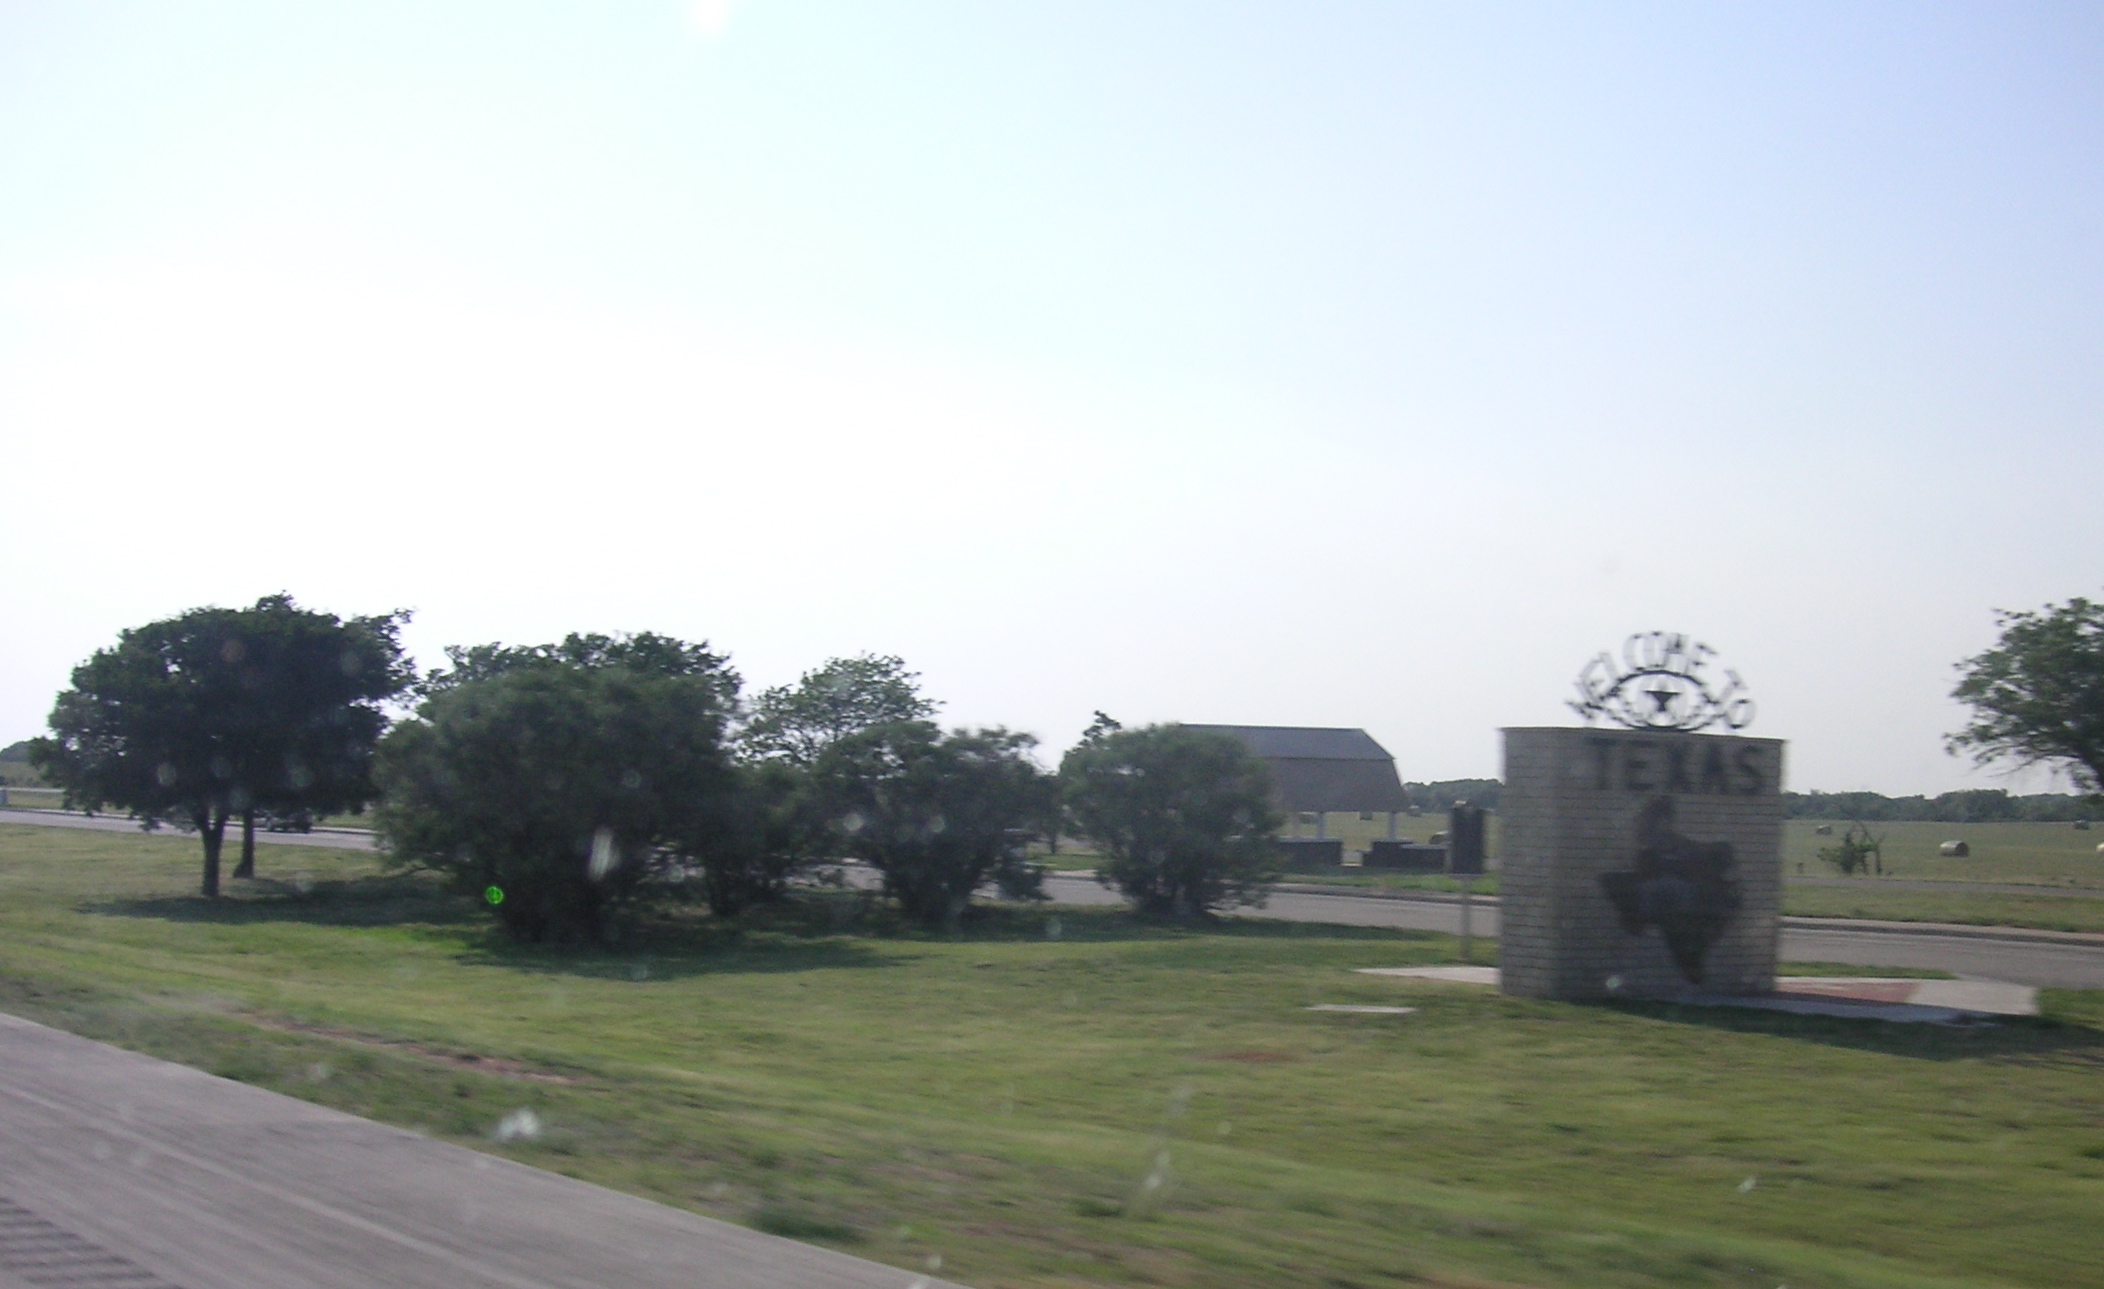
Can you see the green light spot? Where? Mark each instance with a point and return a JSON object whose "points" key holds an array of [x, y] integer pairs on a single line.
{"points": [[495, 895]]}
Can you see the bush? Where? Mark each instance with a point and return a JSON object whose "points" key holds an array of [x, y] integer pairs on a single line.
{"points": [[939, 815], [1858, 852], [1183, 818], [560, 787]]}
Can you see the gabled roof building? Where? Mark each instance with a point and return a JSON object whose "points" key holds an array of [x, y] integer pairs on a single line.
{"points": [[1323, 771]]}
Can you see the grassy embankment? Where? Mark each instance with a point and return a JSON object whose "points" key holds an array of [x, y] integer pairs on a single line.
{"points": [[1064, 1097]]}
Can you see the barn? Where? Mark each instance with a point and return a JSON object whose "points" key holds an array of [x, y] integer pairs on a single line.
{"points": [[1319, 773]]}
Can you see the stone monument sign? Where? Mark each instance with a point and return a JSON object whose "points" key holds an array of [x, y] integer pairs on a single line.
{"points": [[1644, 861]]}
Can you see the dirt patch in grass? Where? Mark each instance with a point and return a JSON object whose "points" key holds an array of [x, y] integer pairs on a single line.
{"points": [[495, 1065]]}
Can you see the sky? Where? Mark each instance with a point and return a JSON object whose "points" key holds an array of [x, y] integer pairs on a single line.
{"points": [[1356, 364]]}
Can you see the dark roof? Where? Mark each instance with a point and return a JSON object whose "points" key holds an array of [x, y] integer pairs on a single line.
{"points": [[1322, 769], [1303, 743]]}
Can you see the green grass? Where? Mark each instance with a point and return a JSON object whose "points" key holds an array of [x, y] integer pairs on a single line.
{"points": [[1064, 1097], [2041, 912]]}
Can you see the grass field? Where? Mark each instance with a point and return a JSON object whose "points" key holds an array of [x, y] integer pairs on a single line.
{"points": [[1064, 1097], [2045, 854]]}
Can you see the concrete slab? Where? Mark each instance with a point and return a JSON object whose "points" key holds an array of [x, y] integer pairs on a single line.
{"points": [[1867, 997], [1452, 975], [1364, 1009], [156, 1175]]}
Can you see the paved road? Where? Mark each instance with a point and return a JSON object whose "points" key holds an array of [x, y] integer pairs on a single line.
{"points": [[120, 1170], [2025, 958], [340, 839]]}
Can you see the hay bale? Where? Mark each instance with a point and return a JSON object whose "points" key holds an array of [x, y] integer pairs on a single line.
{"points": [[1954, 849]]}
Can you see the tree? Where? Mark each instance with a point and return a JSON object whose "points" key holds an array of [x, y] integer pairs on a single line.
{"points": [[795, 723], [2037, 697], [219, 714], [560, 780], [939, 815], [1183, 817]]}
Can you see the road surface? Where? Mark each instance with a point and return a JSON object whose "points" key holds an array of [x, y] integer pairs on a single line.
{"points": [[336, 838], [2022, 957], [120, 1170], [2042, 958]]}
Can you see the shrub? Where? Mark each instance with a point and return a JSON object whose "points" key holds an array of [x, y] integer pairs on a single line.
{"points": [[939, 815], [1183, 817], [561, 786]]}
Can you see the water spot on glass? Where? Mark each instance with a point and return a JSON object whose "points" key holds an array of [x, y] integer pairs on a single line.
{"points": [[604, 856], [1052, 928], [639, 971], [164, 774], [934, 1262], [520, 1125], [1614, 984], [632, 780], [1226, 1128], [1748, 1184], [232, 651]]}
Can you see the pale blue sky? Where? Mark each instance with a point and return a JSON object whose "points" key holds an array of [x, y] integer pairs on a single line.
{"points": [[1341, 364]]}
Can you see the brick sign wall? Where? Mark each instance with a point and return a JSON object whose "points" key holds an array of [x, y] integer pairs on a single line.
{"points": [[1639, 864]]}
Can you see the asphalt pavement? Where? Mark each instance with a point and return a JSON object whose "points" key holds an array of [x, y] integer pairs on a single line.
{"points": [[2045, 958], [117, 1169], [337, 838]]}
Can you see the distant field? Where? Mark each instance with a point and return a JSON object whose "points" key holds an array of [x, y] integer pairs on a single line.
{"points": [[1066, 1097], [2046, 854]]}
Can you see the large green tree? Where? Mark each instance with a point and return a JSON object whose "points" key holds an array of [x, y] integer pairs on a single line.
{"points": [[795, 723], [221, 714], [2037, 697], [938, 815], [562, 780], [1183, 818]]}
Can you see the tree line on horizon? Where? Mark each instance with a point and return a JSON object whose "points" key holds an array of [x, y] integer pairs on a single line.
{"points": [[564, 783], [1966, 806]]}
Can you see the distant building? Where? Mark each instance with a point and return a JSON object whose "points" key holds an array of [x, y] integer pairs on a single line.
{"points": [[1321, 772]]}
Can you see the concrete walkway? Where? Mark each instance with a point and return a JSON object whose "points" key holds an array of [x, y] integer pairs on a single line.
{"points": [[120, 1170], [1858, 997]]}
